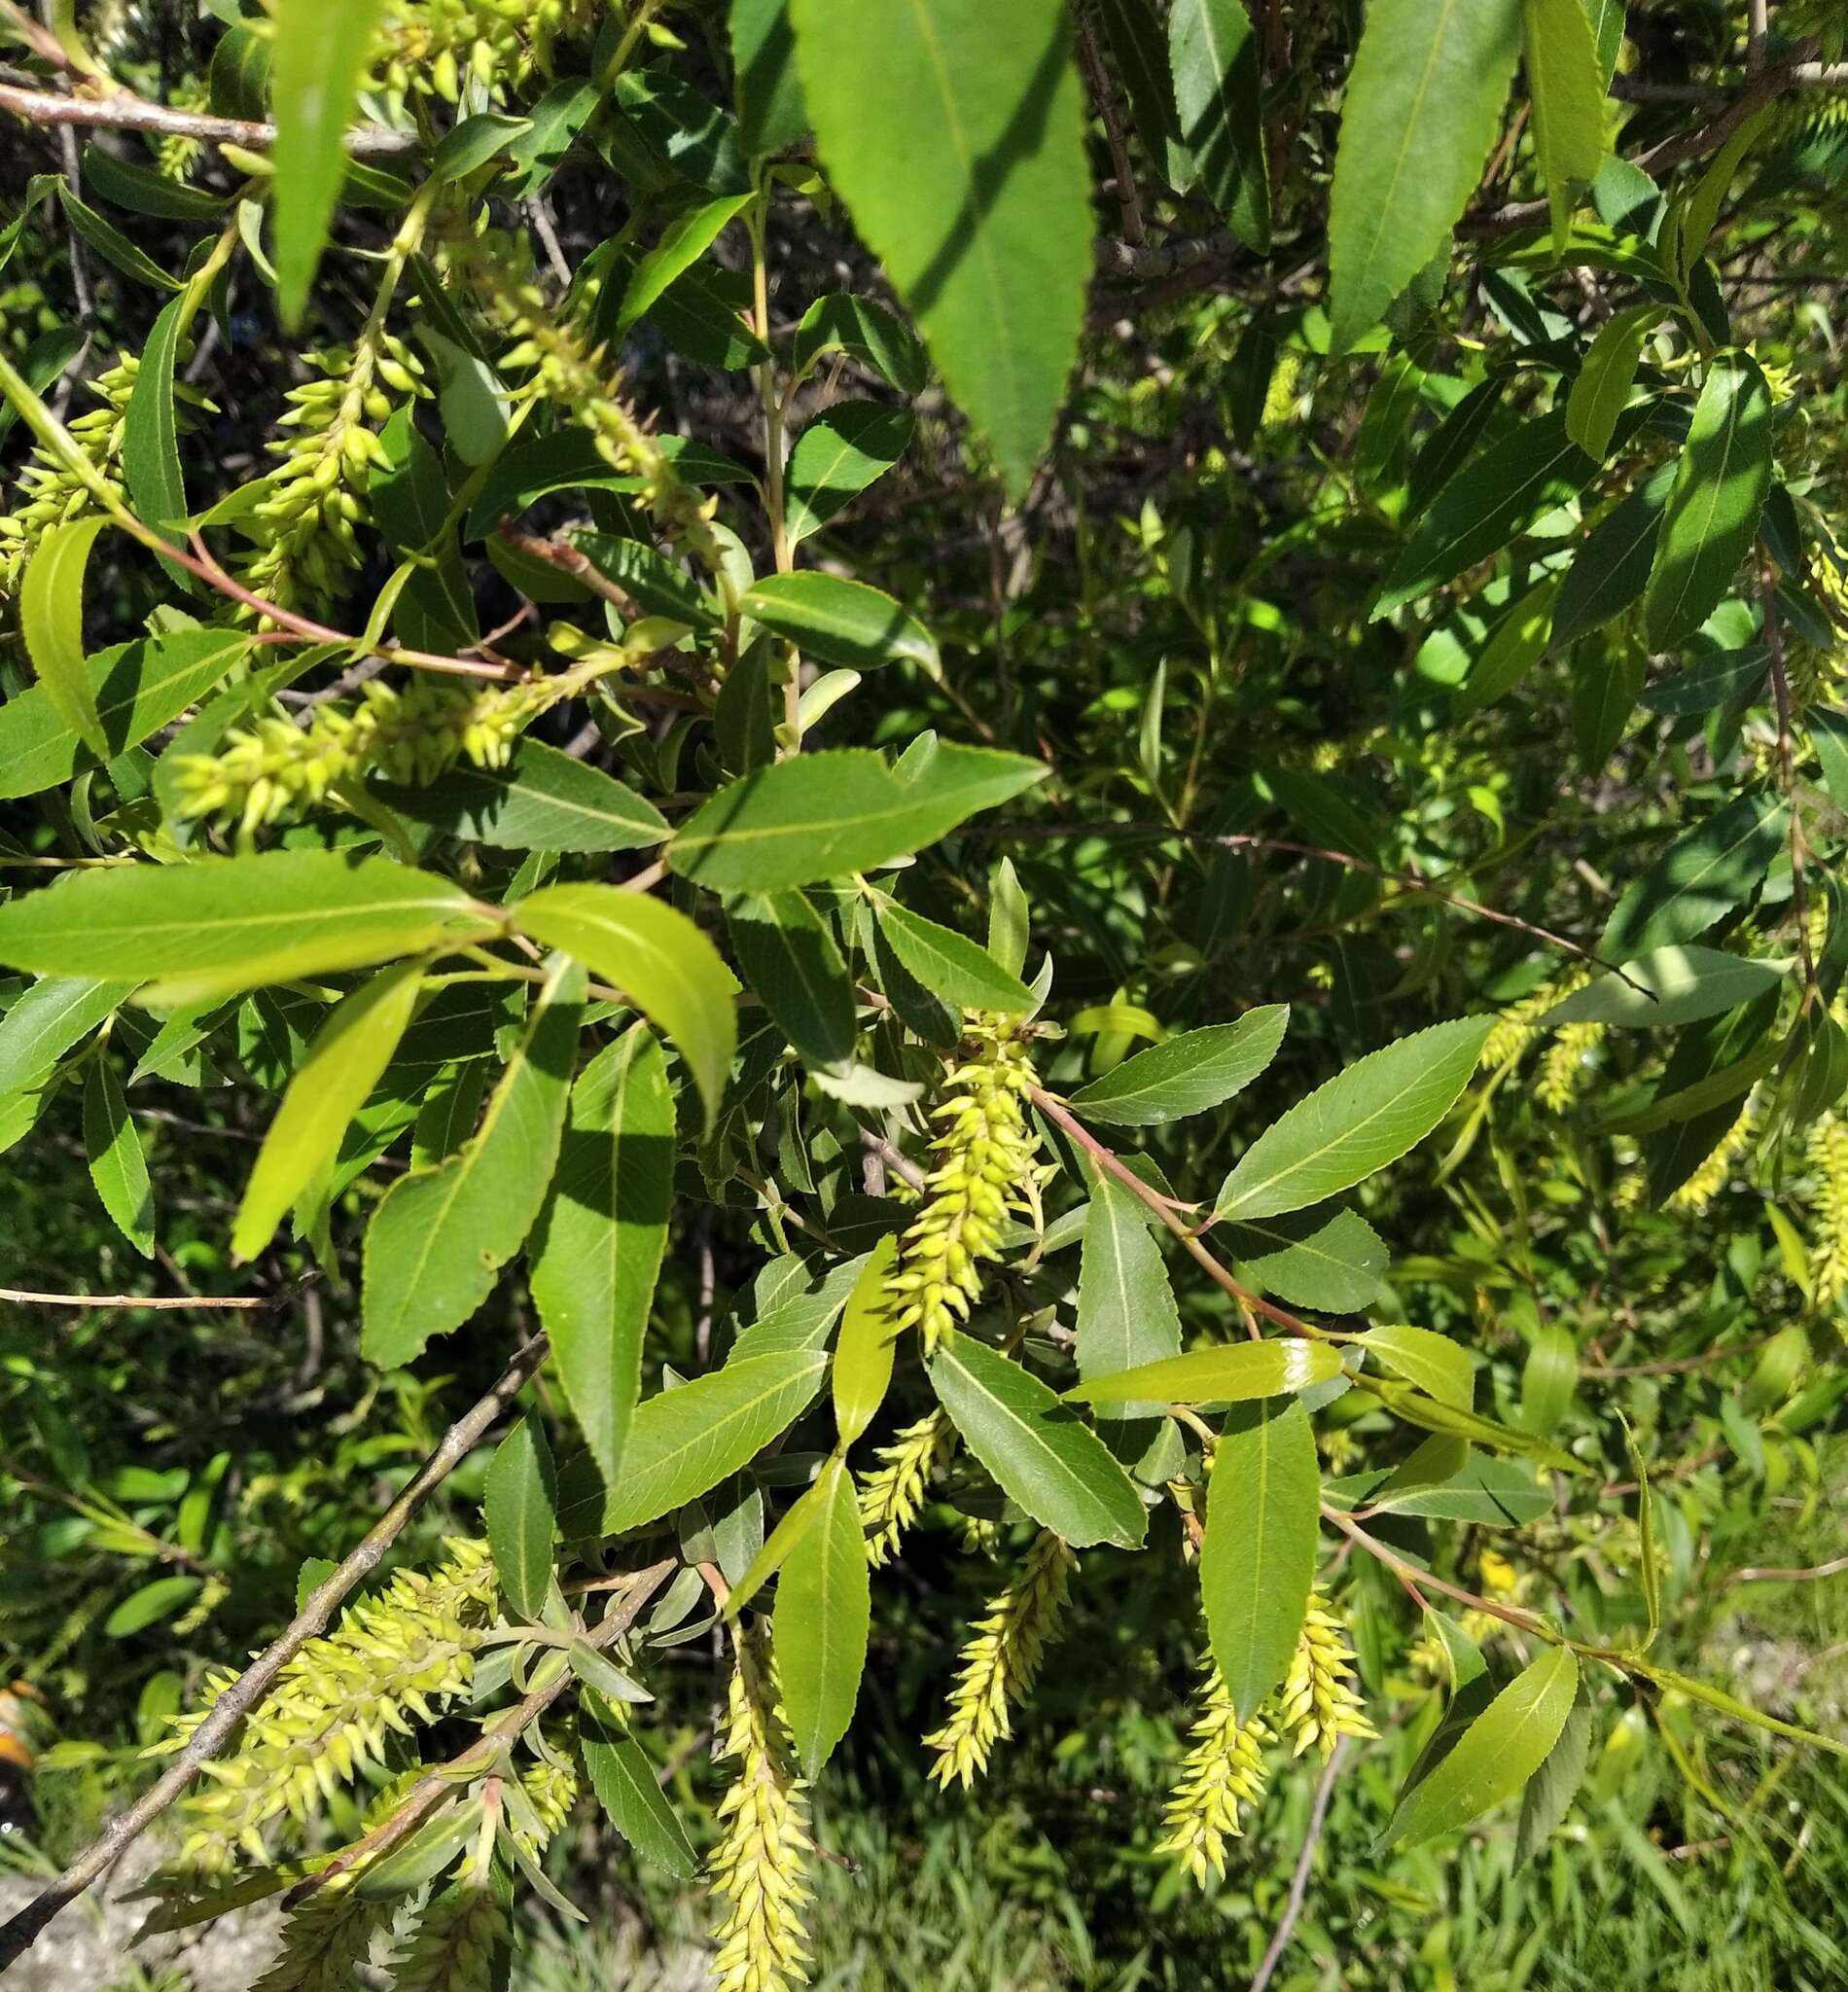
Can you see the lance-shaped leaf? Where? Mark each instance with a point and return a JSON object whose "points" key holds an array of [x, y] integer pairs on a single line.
{"points": [[1672, 985], [540, 799], [1494, 1756], [52, 621], [823, 1611], [598, 1247], [954, 131], [1224, 1375], [521, 1508], [349, 1054], [837, 456], [624, 1780], [1189, 1074], [438, 1240], [1359, 1121], [1613, 566], [150, 431], [949, 965], [795, 970], [659, 960], [1720, 484], [1437, 1366], [1323, 1256], [1126, 1316], [1258, 1562], [221, 925], [1552, 1787], [821, 815], [1044, 1455], [1213, 58], [682, 1443], [865, 1349], [1603, 387], [118, 1167], [54, 1014], [1421, 112], [1566, 86], [844, 622], [1708, 872]]}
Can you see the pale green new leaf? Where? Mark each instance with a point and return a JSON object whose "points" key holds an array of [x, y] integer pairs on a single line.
{"points": [[659, 960], [954, 131], [52, 621], [1437, 1366], [1494, 1756], [822, 1611], [1189, 1074], [1258, 1561], [1044, 1455], [438, 1240], [520, 1505], [1566, 86], [349, 1052], [1359, 1121], [597, 1249], [1602, 390], [1422, 108], [116, 1165], [1227, 1374], [867, 1344]]}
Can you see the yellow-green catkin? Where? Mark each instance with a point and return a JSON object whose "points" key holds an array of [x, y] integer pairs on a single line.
{"points": [[1000, 1661], [550, 1786], [406, 1652], [1709, 1179], [1518, 1025], [49, 492], [451, 1946], [434, 47], [1223, 1771], [309, 523], [989, 1160], [893, 1494], [1316, 1704], [760, 1866], [410, 733], [1828, 1146], [326, 1941], [1563, 1069]]}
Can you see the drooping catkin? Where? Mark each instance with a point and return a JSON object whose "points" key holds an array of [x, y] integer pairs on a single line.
{"points": [[1828, 1147], [404, 1652], [761, 1865], [1709, 1179], [1316, 1704], [1567, 1063], [434, 47], [1518, 1025], [1224, 1770], [450, 1947], [892, 1495], [325, 1941], [989, 1154], [1000, 1661]]}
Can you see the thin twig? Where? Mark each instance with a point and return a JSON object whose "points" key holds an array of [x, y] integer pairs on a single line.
{"points": [[1758, 1574], [254, 1681], [24, 1298], [1097, 79], [124, 112], [1306, 1860]]}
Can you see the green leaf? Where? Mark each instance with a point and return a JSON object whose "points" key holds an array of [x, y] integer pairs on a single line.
{"points": [[541, 800], [1359, 1121], [630, 1794], [150, 433], [1226, 1373], [319, 52], [221, 925], [1323, 1256], [1433, 1414], [1437, 1366], [821, 815], [837, 456], [1492, 1493], [1494, 1756], [1602, 390], [684, 1441], [662, 963], [597, 1252], [1126, 1315], [1213, 58], [1258, 1561], [771, 113], [868, 333], [123, 183], [795, 970], [844, 622], [684, 242], [1566, 84], [111, 245], [149, 1605], [117, 1166], [1010, 918], [867, 1344], [438, 1238], [1649, 1576], [1519, 640], [1720, 484], [1189, 1074], [471, 142], [1552, 1787], [519, 1505], [1488, 503], [1549, 1378], [954, 132], [1423, 107], [51, 619], [1611, 568], [1708, 872], [1709, 195], [1044, 1457], [421, 1855], [800, 1519], [552, 126], [54, 1014], [951, 966], [823, 1611], [1730, 1705], [348, 1059]]}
